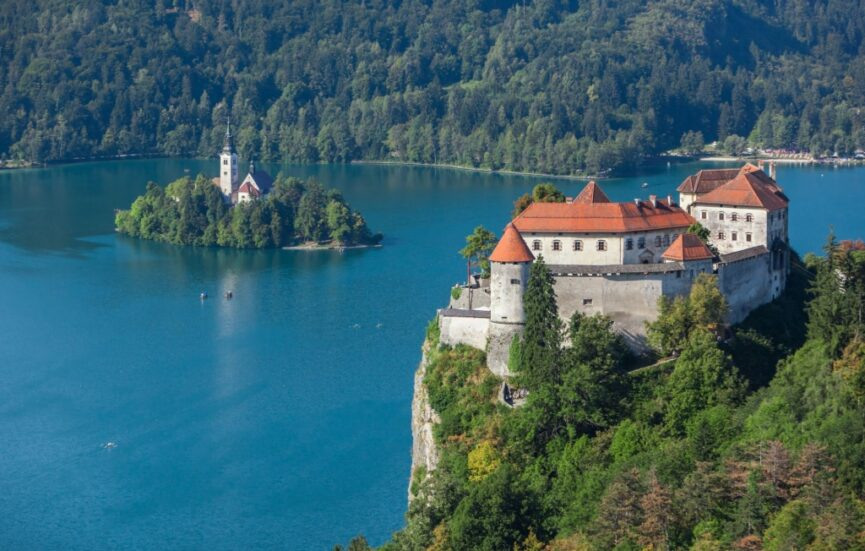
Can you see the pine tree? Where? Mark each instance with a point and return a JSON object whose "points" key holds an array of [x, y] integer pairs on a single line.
{"points": [[619, 513], [656, 505], [541, 347]]}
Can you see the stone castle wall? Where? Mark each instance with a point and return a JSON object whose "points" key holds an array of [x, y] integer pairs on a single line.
{"points": [[628, 294]]}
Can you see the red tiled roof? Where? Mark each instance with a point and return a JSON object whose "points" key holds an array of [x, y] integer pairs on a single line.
{"points": [[246, 187], [592, 193], [688, 247], [707, 180], [748, 189], [601, 217], [511, 247]]}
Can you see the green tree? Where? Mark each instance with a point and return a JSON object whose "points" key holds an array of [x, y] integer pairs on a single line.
{"points": [[692, 142], [479, 246], [541, 344], [704, 376]]}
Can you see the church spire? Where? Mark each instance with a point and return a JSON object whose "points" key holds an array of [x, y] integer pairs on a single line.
{"points": [[228, 147]]}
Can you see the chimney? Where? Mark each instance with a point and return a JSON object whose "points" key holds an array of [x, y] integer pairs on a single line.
{"points": [[669, 200], [637, 201], [654, 200], [772, 170], [760, 164]]}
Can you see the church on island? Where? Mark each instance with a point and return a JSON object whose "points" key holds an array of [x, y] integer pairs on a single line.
{"points": [[618, 259], [255, 185]]}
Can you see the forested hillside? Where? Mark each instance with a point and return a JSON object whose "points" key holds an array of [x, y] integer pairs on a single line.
{"points": [[749, 440], [558, 86]]}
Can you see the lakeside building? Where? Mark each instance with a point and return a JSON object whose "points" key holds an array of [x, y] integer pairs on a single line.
{"points": [[255, 185], [618, 259]]}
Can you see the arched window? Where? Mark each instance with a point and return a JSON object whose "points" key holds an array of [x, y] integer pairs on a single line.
{"points": [[602, 245], [557, 245], [629, 244], [641, 243], [720, 216], [734, 217], [720, 236], [657, 241], [578, 245], [749, 218], [536, 245]]}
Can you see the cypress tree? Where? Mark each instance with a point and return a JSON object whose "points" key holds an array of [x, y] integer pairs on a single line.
{"points": [[541, 346]]}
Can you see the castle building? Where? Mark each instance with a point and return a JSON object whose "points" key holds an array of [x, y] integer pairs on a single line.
{"points": [[255, 185], [618, 259]]}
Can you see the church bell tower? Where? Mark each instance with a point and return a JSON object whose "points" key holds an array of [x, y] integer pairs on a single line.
{"points": [[228, 165]]}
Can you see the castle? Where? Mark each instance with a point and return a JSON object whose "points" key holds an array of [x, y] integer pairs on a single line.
{"points": [[256, 184], [618, 259]]}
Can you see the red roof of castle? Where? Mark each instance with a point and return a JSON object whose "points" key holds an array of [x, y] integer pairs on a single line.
{"points": [[707, 180], [511, 247], [750, 188], [688, 247], [601, 217], [592, 193]]}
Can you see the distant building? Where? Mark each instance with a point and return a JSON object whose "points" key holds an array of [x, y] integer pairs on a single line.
{"points": [[255, 185], [618, 259]]}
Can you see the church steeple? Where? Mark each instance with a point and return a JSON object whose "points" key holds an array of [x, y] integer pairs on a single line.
{"points": [[228, 176], [228, 146]]}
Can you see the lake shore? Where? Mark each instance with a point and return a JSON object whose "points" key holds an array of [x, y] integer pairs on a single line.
{"points": [[478, 169], [329, 247]]}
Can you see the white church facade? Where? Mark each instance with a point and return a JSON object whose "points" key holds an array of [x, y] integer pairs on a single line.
{"points": [[255, 185]]}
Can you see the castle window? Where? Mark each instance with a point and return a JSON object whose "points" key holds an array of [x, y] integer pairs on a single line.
{"points": [[225, 161], [515, 282], [587, 302], [536, 245], [641, 243], [720, 216], [602, 245], [749, 218], [666, 239], [225, 173], [720, 236], [703, 215], [733, 236], [629, 244], [578, 245], [657, 241], [748, 237], [557, 245], [734, 217]]}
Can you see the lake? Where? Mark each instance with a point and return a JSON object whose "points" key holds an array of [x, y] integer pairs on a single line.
{"points": [[279, 419]]}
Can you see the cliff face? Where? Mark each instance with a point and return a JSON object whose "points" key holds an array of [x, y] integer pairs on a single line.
{"points": [[424, 453]]}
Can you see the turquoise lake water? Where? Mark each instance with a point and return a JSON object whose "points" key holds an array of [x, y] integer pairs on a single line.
{"points": [[277, 420]]}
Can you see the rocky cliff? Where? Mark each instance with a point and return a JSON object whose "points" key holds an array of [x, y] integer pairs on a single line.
{"points": [[424, 454]]}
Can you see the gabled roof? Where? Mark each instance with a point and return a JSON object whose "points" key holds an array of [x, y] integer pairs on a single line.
{"points": [[250, 188], [688, 247], [511, 248], [749, 189], [707, 180], [260, 179], [602, 217], [592, 193]]}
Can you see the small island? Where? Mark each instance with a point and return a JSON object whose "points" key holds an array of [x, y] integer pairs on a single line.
{"points": [[258, 213]]}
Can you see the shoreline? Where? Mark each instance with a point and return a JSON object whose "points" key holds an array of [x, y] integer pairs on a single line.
{"points": [[328, 247], [478, 169]]}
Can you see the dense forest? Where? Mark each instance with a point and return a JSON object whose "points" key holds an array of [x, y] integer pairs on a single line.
{"points": [[750, 439], [194, 212], [556, 86]]}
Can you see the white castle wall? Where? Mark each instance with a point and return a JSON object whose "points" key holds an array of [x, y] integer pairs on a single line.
{"points": [[464, 330], [507, 285], [746, 284]]}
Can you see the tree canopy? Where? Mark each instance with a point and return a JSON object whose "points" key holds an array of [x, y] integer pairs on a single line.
{"points": [[556, 86]]}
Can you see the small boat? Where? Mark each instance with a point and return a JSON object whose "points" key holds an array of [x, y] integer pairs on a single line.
{"points": [[203, 295], [644, 185]]}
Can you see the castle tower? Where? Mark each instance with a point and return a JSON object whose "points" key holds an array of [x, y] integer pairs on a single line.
{"points": [[228, 175], [509, 275]]}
